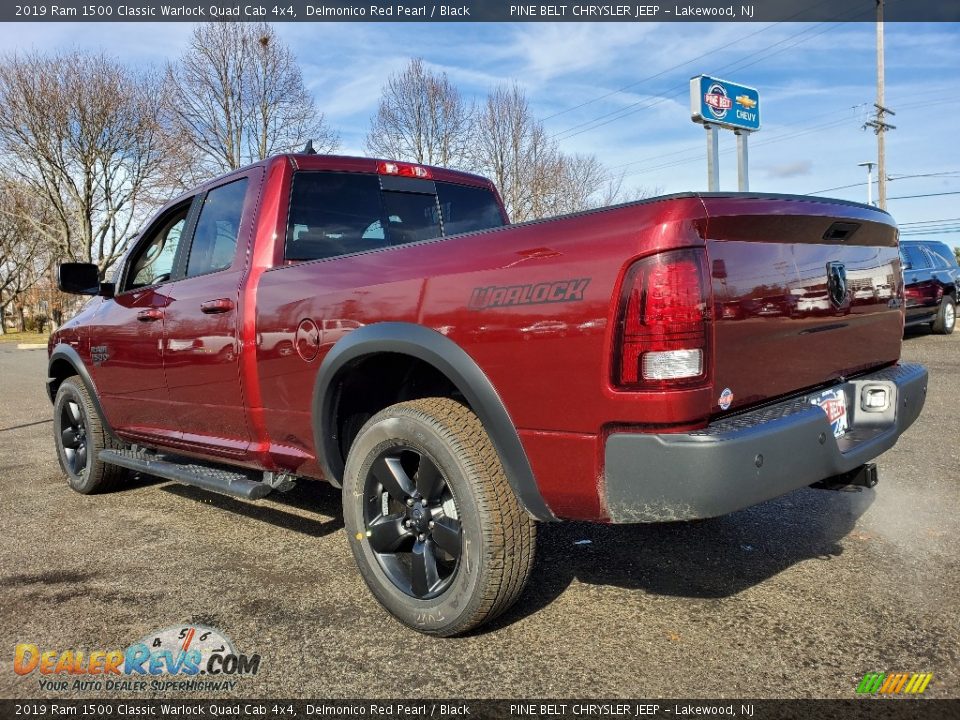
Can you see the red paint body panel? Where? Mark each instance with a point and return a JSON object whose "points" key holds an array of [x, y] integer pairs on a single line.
{"points": [[233, 385], [776, 329]]}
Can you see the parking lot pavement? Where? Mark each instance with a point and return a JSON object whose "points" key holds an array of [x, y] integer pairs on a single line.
{"points": [[797, 597]]}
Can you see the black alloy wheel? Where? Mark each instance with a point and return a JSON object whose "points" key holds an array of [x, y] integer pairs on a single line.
{"points": [[412, 521], [80, 434], [438, 534], [73, 436]]}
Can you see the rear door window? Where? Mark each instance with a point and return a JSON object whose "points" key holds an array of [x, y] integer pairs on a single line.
{"points": [[215, 239]]}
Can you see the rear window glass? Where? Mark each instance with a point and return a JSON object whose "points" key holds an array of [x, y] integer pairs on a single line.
{"points": [[334, 214], [466, 208], [411, 217], [942, 255], [913, 256]]}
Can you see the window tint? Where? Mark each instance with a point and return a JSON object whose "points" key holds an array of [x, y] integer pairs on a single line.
{"points": [[411, 217], [153, 263], [215, 239], [467, 208], [913, 255], [942, 256], [333, 214]]}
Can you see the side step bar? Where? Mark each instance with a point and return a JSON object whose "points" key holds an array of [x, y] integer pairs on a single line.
{"points": [[218, 480]]}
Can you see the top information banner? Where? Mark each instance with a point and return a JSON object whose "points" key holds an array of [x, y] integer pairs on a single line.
{"points": [[479, 11]]}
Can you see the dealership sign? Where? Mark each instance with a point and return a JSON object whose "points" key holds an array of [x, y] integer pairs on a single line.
{"points": [[723, 103]]}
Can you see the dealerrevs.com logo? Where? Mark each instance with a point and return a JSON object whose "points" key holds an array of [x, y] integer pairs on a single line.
{"points": [[192, 657]]}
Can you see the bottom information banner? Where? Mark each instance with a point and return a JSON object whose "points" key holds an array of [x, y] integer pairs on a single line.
{"points": [[893, 708]]}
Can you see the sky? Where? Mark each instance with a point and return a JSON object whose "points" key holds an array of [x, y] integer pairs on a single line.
{"points": [[620, 91]]}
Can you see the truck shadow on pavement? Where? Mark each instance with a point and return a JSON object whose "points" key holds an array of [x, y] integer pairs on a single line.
{"points": [[280, 509], [706, 559]]}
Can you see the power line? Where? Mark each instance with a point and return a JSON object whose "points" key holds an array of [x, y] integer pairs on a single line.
{"points": [[708, 53], [934, 232], [680, 89], [948, 173], [697, 153], [929, 222], [908, 197], [659, 74]]}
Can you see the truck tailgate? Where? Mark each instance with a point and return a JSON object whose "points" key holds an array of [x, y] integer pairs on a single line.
{"points": [[805, 291]]}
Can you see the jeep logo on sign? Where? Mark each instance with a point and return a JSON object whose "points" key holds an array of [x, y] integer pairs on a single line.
{"points": [[837, 282]]}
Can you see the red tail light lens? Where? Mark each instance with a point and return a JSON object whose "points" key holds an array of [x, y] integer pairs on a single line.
{"points": [[404, 170], [664, 338]]}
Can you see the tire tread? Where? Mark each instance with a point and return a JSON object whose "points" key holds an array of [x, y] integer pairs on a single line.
{"points": [[509, 533]]}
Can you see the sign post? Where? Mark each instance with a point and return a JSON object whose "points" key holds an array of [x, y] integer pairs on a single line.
{"points": [[743, 161], [716, 103], [713, 158]]}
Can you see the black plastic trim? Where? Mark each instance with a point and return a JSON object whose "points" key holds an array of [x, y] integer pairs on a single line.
{"points": [[747, 459], [62, 351], [451, 360]]}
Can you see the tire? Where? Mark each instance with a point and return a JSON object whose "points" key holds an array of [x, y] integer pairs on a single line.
{"points": [[467, 554], [79, 435], [946, 319]]}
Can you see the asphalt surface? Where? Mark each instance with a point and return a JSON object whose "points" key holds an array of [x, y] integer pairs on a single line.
{"points": [[798, 597]]}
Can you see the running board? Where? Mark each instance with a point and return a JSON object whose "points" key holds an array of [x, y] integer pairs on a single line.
{"points": [[218, 480]]}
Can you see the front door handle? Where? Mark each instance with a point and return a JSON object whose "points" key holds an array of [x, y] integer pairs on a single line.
{"points": [[150, 315], [220, 305]]}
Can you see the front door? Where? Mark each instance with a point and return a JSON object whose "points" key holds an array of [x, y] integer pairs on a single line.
{"points": [[126, 335]]}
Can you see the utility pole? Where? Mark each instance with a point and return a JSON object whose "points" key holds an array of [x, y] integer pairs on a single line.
{"points": [[879, 124]]}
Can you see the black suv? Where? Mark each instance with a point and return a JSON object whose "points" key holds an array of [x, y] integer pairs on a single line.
{"points": [[931, 279]]}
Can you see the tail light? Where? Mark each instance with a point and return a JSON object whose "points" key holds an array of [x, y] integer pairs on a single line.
{"points": [[664, 332], [404, 170]]}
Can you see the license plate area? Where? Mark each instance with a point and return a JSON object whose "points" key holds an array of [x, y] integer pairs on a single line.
{"points": [[833, 402]]}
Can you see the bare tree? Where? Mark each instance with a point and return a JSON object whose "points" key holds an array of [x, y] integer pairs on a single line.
{"points": [[535, 178], [24, 253], [237, 96], [82, 133], [512, 149], [421, 118]]}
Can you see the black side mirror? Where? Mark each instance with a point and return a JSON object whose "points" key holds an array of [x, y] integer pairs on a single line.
{"points": [[81, 279]]}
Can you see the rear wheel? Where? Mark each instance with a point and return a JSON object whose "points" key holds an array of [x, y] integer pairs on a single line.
{"points": [[946, 318], [434, 526], [80, 435]]}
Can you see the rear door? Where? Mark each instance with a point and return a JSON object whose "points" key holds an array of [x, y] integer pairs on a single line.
{"points": [[920, 287], [201, 322]]}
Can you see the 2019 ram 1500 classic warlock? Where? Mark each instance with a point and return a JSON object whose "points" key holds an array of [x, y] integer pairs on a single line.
{"points": [[380, 325]]}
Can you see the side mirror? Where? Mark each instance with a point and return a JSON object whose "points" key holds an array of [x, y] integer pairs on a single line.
{"points": [[82, 279]]}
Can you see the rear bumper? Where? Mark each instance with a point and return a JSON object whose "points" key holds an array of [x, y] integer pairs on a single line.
{"points": [[745, 459]]}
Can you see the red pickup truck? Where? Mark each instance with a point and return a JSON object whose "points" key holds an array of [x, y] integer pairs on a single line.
{"points": [[380, 325]]}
